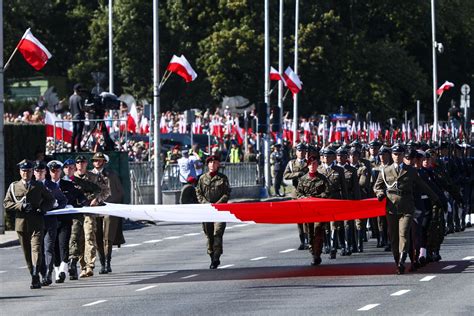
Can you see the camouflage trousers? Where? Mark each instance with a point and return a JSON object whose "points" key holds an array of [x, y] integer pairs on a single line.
{"points": [[76, 241], [315, 237], [214, 233], [82, 244]]}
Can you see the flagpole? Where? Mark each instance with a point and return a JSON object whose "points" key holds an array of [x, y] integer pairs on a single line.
{"points": [[156, 105], [2, 146], [9, 59], [280, 66], [111, 55], [267, 98], [435, 84], [295, 96]]}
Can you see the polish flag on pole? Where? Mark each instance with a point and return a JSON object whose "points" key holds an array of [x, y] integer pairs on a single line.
{"points": [[132, 119], [144, 126], [197, 126], [163, 125], [275, 76], [33, 51], [181, 67], [63, 130], [292, 81], [444, 87]]}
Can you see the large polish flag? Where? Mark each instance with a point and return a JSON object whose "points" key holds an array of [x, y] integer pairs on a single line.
{"points": [[275, 76], [63, 129], [292, 81], [35, 53], [181, 67], [444, 87]]}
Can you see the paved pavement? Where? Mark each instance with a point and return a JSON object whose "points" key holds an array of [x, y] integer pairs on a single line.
{"points": [[163, 269]]}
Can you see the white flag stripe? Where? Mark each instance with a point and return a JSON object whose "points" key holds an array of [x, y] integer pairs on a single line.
{"points": [[30, 37]]}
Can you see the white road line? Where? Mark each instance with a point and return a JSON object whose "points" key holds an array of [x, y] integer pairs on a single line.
{"points": [[2, 272], [288, 250], [192, 234], [95, 303], [190, 276], [172, 237], [468, 258], [428, 278], [145, 288], [258, 258], [399, 293], [226, 266], [23, 267], [241, 225], [368, 307], [449, 267], [152, 241], [130, 245]]}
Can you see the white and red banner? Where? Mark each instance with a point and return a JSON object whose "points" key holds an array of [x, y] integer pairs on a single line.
{"points": [[63, 129], [276, 76], [444, 87], [306, 210], [181, 67], [132, 119], [35, 53], [292, 81]]}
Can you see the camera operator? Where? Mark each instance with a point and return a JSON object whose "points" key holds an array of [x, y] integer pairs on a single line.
{"points": [[76, 105]]}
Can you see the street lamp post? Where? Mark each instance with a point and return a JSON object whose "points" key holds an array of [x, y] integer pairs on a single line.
{"points": [[111, 53], [156, 105], [434, 46]]}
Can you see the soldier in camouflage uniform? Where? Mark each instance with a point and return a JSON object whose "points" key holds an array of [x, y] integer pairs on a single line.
{"points": [[213, 187], [295, 169], [314, 184]]}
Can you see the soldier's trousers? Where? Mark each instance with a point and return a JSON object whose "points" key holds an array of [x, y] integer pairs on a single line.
{"points": [[51, 228], [62, 241], [435, 230], [316, 237], [76, 242], [214, 233], [105, 236], [337, 234], [90, 243], [30, 242], [399, 232]]}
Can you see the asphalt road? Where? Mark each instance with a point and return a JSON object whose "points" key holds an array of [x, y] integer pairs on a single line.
{"points": [[163, 270]]}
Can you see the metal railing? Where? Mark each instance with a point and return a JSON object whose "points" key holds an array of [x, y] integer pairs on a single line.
{"points": [[240, 174], [135, 191]]}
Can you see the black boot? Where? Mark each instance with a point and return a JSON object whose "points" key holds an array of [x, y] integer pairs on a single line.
{"points": [[316, 261], [333, 241], [73, 270], [103, 269], [348, 232], [327, 243], [47, 279], [360, 241], [35, 279], [108, 267], [302, 242], [401, 264], [215, 262]]}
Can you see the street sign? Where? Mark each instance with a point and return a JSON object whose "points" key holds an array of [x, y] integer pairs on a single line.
{"points": [[465, 89]]}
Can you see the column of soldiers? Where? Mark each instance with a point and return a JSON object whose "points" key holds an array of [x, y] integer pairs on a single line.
{"points": [[56, 243], [427, 190]]}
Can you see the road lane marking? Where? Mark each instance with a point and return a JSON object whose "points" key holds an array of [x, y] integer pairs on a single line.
{"points": [[468, 258], [2, 272], [95, 303], [400, 293], [368, 307], [192, 234], [288, 250], [449, 267], [145, 288], [23, 267], [241, 225], [152, 241], [428, 278], [130, 245], [226, 266], [258, 258], [172, 237], [190, 276]]}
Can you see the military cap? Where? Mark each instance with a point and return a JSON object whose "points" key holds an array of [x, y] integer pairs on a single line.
{"points": [[374, 144], [341, 151], [420, 154], [68, 162], [98, 156], [356, 144], [385, 150], [301, 147], [328, 151], [25, 164], [354, 151], [81, 158], [39, 165], [398, 148], [55, 164], [410, 154], [212, 158]]}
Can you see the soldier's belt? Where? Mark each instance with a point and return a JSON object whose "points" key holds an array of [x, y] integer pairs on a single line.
{"points": [[397, 192]]}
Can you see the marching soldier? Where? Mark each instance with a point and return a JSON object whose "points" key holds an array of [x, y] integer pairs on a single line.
{"points": [[396, 182], [314, 184], [30, 200], [213, 187], [295, 169]]}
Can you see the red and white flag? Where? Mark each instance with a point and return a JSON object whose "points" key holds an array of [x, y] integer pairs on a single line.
{"points": [[182, 128], [276, 76], [163, 126], [292, 81], [132, 119], [444, 87], [197, 126], [33, 51], [63, 129], [181, 67], [144, 126]]}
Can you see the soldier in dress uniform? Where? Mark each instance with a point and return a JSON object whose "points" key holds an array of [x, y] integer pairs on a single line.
{"points": [[337, 190], [396, 182], [314, 184], [213, 187], [30, 200], [295, 169]]}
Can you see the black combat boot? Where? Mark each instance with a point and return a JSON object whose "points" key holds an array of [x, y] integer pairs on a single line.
{"points": [[360, 241], [73, 270], [333, 240], [47, 279], [215, 262], [316, 261], [103, 269], [401, 264], [348, 232], [108, 267], [35, 279], [327, 242], [302, 242]]}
